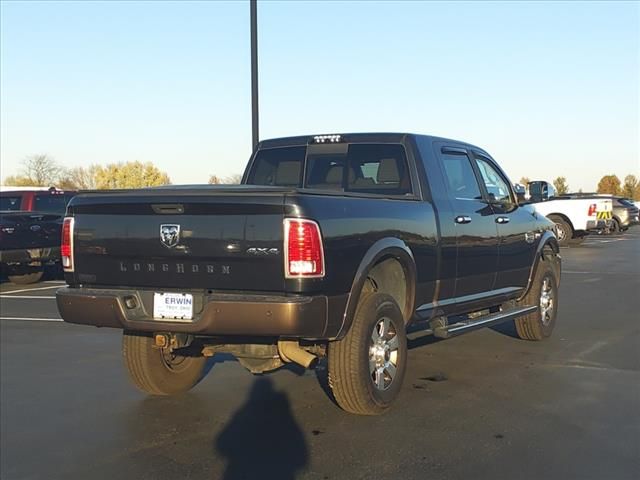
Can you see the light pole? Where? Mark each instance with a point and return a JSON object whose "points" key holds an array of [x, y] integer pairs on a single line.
{"points": [[253, 6]]}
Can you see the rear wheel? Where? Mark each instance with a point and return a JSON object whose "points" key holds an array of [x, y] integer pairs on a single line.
{"points": [[26, 278], [615, 227], [544, 294], [367, 366], [564, 231], [158, 371]]}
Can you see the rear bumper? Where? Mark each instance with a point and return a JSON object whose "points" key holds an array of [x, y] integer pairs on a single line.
{"points": [[217, 314], [24, 255], [598, 224]]}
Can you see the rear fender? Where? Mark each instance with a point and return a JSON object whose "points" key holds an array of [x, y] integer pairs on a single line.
{"points": [[381, 250]]}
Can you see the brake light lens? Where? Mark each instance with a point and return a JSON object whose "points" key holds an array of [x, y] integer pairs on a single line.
{"points": [[592, 210], [66, 249], [304, 255]]}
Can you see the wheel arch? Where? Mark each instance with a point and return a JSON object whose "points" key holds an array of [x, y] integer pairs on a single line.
{"points": [[384, 262], [547, 242]]}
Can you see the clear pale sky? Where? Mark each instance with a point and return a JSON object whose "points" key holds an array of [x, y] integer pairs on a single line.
{"points": [[547, 88]]}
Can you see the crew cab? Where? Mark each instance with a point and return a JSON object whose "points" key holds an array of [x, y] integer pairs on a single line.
{"points": [[333, 246], [30, 229]]}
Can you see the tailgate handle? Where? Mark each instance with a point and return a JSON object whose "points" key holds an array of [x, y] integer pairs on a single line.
{"points": [[168, 208]]}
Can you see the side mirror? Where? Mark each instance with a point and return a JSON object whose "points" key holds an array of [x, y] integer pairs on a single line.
{"points": [[539, 191]]}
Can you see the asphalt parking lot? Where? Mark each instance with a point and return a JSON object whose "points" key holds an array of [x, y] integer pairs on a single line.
{"points": [[483, 406]]}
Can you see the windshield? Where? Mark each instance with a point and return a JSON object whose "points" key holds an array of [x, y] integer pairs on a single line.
{"points": [[362, 168]]}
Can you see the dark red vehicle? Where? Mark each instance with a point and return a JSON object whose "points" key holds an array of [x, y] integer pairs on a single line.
{"points": [[30, 229]]}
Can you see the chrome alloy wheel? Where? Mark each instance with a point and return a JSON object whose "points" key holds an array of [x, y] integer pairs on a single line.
{"points": [[383, 354], [560, 232], [547, 301]]}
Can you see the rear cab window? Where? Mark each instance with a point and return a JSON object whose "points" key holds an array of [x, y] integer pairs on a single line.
{"points": [[368, 168], [10, 203], [55, 202]]}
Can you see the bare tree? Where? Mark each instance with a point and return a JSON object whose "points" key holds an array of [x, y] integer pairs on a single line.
{"points": [[234, 179], [41, 170], [80, 178]]}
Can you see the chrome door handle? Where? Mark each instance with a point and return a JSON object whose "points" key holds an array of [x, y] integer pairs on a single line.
{"points": [[502, 220], [463, 219]]}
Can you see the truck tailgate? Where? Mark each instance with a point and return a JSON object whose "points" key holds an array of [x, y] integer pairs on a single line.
{"points": [[29, 230], [220, 239]]}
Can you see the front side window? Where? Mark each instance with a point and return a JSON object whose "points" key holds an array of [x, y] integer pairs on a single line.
{"points": [[497, 187], [459, 176]]}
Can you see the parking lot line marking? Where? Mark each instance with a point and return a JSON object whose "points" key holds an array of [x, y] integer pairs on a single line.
{"points": [[33, 319], [25, 296], [598, 273], [30, 289]]}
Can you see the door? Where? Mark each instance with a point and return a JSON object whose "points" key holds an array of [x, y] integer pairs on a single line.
{"points": [[474, 223], [515, 226]]}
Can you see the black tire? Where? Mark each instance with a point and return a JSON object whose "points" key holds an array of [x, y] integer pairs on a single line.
{"points": [[564, 231], [350, 378], [26, 278], [537, 325], [615, 227], [155, 371]]}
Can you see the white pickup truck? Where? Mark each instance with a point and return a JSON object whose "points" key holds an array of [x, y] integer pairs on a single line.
{"points": [[574, 217]]}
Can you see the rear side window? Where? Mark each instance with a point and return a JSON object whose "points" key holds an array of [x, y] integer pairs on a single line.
{"points": [[278, 166], [460, 178], [10, 203], [363, 168], [52, 203], [378, 169]]}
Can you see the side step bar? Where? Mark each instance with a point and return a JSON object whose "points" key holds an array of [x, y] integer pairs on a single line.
{"points": [[490, 320]]}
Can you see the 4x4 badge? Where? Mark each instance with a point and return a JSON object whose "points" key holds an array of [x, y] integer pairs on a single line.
{"points": [[170, 234]]}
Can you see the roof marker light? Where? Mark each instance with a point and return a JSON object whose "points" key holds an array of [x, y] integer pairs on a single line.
{"points": [[327, 139]]}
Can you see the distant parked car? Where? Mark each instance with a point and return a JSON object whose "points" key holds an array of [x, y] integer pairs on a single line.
{"points": [[625, 214], [30, 230]]}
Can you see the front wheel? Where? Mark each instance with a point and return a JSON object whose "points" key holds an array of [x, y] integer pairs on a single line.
{"points": [[367, 366], [158, 371], [544, 294]]}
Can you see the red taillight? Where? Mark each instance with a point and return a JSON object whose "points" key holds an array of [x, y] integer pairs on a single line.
{"points": [[592, 210], [66, 249], [304, 256]]}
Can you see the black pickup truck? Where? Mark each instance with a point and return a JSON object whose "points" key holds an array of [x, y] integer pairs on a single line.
{"points": [[30, 225], [334, 245]]}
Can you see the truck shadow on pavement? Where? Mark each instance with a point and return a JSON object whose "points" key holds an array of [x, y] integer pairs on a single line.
{"points": [[262, 439]]}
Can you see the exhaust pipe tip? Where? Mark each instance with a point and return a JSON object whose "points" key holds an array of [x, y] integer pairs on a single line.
{"points": [[290, 351]]}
